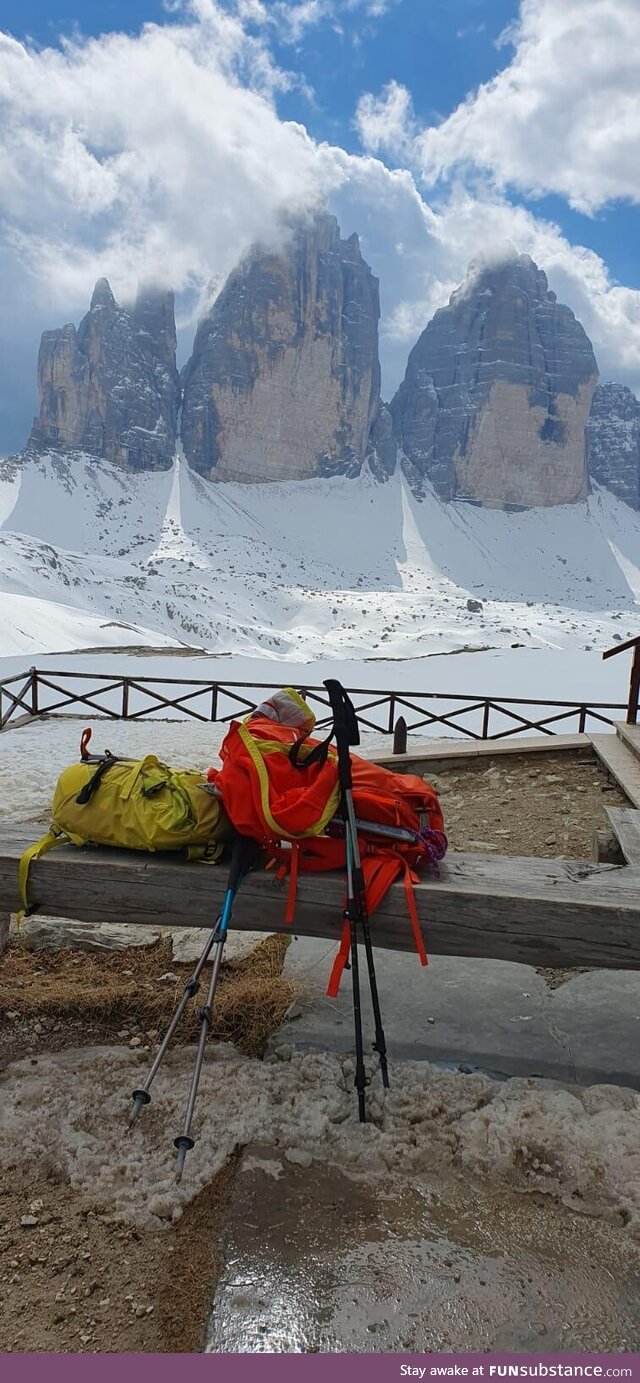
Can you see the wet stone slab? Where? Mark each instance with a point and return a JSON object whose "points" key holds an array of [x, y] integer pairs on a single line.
{"points": [[316, 1261], [491, 1015]]}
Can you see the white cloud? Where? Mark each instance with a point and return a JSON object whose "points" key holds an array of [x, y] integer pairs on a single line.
{"points": [[292, 18], [386, 122], [374, 9], [163, 155], [421, 253], [160, 155], [563, 116], [609, 312]]}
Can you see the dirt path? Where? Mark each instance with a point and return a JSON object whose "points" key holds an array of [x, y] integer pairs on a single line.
{"points": [[72, 1279]]}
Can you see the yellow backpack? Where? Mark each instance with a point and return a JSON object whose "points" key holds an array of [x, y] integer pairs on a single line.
{"points": [[134, 804]]}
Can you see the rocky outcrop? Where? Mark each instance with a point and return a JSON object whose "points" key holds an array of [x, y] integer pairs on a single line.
{"points": [[284, 379], [111, 388], [497, 392], [382, 451], [613, 441]]}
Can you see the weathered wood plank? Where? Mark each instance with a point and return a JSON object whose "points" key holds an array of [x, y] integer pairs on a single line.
{"points": [[606, 847], [630, 736], [450, 752], [621, 763], [540, 912], [625, 823], [5, 923]]}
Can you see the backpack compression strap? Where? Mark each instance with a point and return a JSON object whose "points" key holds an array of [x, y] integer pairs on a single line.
{"points": [[380, 872], [86, 793]]}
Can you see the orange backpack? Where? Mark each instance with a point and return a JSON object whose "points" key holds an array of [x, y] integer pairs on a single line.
{"points": [[275, 789]]}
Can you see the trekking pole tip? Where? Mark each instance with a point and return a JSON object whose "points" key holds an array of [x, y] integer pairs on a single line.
{"points": [[140, 1099], [183, 1145]]}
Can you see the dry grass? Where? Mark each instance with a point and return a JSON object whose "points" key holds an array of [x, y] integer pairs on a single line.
{"points": [[126, 988]]}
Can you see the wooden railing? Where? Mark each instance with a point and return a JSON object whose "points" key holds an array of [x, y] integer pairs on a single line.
{"points": [[18, 697], [39, 693], [634, 684]]}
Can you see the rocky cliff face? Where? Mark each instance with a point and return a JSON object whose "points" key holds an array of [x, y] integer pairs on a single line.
{"points": [[111, 388], [497, 392], [284, 379], [613, 441]]}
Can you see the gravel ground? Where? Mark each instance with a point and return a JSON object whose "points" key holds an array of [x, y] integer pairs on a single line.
{"points": [[73, 1279], [544, 804]]}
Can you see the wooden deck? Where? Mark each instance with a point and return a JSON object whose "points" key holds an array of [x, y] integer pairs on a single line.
{"points": [[539, 912]]}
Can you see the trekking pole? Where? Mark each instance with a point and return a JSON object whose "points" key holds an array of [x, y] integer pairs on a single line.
{"points": [[244, 851], [347, 734], [360, 1077], [141, 1096]]}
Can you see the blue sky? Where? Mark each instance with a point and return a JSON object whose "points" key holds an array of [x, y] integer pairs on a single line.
{"points": [[408, 135]]}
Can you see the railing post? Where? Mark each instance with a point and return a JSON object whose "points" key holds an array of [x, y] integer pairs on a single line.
{"points": [[34, 691], [634, 688], [400, 736], [125, 698], [634, 684], [213, 714], [392, 716], [485, 720], [582, 720]]}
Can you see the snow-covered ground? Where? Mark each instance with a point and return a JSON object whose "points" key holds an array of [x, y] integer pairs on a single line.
{"points": [[581, 1146], [331, 569], [562, 674], [33, 755], [296, 582]]}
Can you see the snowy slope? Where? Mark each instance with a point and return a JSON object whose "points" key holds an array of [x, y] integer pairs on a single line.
{"points": [[331, 568]]}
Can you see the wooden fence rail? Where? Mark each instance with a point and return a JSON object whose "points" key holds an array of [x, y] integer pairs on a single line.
{"points": [[37, 693], [18, 696]]}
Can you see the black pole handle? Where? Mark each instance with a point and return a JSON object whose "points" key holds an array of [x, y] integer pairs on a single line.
{"points": [[346, 731], [345, 719], [243, 854]]}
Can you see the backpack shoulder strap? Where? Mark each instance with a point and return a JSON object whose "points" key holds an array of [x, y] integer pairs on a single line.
{"points": [[53, 837]]}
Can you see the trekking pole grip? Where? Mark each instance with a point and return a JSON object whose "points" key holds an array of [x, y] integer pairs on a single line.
{"points": [[243, 854], [345, 719], [345, 729]]}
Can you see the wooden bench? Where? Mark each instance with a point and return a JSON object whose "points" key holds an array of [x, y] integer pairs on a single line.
{"points": [[539, 912]]}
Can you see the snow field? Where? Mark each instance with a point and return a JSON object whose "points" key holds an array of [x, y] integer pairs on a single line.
{"points": [[331, 568], [581, 1146]]}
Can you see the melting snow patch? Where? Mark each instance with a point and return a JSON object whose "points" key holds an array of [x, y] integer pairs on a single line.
{"points": [[69, 1110]]}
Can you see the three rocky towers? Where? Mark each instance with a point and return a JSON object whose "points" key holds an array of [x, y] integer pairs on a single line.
{"points": [[498, 406]]}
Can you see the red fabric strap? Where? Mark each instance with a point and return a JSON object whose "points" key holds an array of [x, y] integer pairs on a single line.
{"points": [[340, 962], [293, 884], [413, 914]]}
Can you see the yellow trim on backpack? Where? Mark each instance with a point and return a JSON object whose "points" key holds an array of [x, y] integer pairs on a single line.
{"points": [[300, 701], [254, 748]]}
